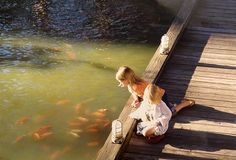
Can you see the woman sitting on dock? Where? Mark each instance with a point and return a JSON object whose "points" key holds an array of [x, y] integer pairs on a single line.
{"points": [[154, 115], [136, 86]]}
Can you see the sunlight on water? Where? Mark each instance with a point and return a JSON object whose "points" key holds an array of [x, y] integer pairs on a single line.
{"points": [[51, 91]]}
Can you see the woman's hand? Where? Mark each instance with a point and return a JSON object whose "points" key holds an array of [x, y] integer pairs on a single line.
{"points": [[136, 103]]}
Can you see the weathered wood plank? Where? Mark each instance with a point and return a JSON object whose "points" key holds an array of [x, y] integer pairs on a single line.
{"points": [[161, 156], [211, 30], [218, 105], [112, 151], [206, 70], [213, 55], [198, 73], [199, 145]]}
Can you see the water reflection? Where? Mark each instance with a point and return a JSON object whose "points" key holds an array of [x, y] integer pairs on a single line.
{"points": [[129, 21]]}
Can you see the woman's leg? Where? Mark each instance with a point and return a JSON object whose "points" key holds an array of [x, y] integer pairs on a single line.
{"points": [[184, 104], [148, 131]]}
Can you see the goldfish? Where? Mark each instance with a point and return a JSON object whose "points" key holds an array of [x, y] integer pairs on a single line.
{"points": [[74, 124], [98, 114], [92, 130], [19, 138], [55, 155], [58, 153], [78, 108], [82, 119], [41, 136], [22, 120], [92, 143], [63, 102], [107, 124], [93, 126], [102, 110], [43, 129], [74, 134], [71, 55], [76, 130], [101, 121]]}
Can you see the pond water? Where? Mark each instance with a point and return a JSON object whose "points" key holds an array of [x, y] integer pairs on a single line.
{"points": [[58, 93]]}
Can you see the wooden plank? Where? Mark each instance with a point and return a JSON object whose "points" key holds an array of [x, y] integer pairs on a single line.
{"points": [[198, 89], [208, 80], [196, 60], [211, 30], [209, 113], [204, 37], [187, 68], [218, 129], [227, 47], [211, 38], [192, 63], [219, 105], [176, 92], [226, 55], [161, 156], [189, 73], [112, 151], [199, 146]]}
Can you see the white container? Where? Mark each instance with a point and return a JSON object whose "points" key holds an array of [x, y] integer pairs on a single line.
{"points": [[164, 44], [117, 132]]}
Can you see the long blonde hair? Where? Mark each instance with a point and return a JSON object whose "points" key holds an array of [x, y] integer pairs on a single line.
{"points": [[152, 94], [126, 73]]}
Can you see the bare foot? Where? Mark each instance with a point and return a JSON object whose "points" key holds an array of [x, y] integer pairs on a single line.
{"points": [[191, 102]]}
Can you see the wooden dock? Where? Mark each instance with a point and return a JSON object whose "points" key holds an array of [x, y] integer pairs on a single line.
{"points": [[201, 66]]}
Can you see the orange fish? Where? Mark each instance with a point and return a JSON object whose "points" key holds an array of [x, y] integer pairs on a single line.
{"points": [[41, 136], [82, 119], [98, 114], [43, 129], [63, 102], [36, 136], [71, 55], [55, 155], [107, 125], [74, 134], [76, 130], [92, 143], [22, 120], [92, 130], [45, 135], [78, 108], [19, 138], [74, 124], [102, 110], [93, 126]]}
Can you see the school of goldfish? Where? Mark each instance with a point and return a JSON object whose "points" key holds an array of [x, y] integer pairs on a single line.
{"points": [[90, 123]]}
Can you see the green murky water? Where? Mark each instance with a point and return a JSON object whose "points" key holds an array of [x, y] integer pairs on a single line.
{"points": [[61, 84]]}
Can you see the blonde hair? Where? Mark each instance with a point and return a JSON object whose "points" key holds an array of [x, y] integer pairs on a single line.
{"points": [[152, 93], [126, 73]]}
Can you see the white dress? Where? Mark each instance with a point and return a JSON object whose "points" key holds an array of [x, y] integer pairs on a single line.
{"points": [[152, 115]]}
